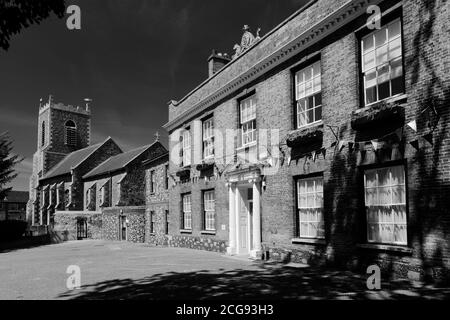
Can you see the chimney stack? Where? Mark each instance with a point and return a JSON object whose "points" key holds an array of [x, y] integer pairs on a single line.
{"points": [[216, 62]]}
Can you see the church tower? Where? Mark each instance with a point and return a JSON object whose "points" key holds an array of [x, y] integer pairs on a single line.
{"points": [[62, 129]]}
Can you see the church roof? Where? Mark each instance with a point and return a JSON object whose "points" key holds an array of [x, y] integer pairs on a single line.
{"points": [[117, 162], [72, 160]]}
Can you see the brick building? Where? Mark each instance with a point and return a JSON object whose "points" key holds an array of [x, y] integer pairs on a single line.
{"points": [[13, 206], [157, 184], [324, 141]]}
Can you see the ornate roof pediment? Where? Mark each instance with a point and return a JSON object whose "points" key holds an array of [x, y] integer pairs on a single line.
{"points": [[248, 40]]}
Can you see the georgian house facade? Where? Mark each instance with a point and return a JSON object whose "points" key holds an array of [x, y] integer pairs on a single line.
{"points": [[324, 141]]}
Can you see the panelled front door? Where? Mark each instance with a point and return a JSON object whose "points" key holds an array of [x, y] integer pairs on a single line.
{"points": [[245, 221]]}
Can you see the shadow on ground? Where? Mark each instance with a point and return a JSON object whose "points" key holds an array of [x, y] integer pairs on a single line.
{"points": [[267, 282]]}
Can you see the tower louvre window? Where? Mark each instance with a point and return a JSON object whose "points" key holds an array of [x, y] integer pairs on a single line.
{"points": [[43, 134], [71, 133]]}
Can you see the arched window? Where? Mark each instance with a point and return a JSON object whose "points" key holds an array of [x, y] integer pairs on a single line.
{"points": [[43, 134], [71, 133]]}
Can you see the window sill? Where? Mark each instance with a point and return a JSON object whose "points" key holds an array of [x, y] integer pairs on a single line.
{"points": [[183, 231], [310, 125], [248, 146], [209, 232], [393, 99], [308, 241], [385, 247]]}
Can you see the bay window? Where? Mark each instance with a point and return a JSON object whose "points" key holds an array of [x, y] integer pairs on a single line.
{"points": [[385, 199], [382, 63]]}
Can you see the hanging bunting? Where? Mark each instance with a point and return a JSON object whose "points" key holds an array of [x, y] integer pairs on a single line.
{"points": [[413, 125], [415, 144], [289, 161], [428, 138], [314, 153], [333, 144], [375, 145]]}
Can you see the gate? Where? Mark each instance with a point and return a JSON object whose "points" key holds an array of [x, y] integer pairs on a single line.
{"points": [[81, 228]]}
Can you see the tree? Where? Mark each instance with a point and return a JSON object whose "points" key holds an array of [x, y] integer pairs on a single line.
{"points": [[18, 14], [7, 163]]}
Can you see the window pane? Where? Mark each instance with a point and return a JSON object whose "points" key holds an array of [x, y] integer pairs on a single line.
{"points": [[395, 48], [398, 175], [318, 99], [369, 61], [384, 196], [318, 114], [371, 95], [308, 75], [316, 69], [308, 88], [382, 54], [368, 43], [380, 37], [310, 102], [384, 90], [394, 29], [317, 84], [383, 177], [371, 197]]}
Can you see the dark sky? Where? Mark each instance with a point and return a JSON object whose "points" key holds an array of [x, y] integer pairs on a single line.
{"points": [[131, 57]]}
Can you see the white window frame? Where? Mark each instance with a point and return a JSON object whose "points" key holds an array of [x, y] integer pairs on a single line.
{"points": [[247, 119], [187, 212], [315, 209], [309, 78], [382, 221], [152, 222], [187, 147], [209, 205], [208, 138], [389, 61]]}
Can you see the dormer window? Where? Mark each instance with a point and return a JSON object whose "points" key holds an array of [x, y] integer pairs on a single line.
{"points": [[70, 133]]}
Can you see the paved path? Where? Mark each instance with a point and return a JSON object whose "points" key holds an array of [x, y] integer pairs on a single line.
{"points": [[112, 270]]}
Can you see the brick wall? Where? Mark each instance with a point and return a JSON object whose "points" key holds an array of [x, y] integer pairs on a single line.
{"points": [[157, 203], [426, 51]]}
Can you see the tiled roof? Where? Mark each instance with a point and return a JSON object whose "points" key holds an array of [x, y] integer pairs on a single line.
{"points": [[117, 162], [72, 160], [17, 197]]}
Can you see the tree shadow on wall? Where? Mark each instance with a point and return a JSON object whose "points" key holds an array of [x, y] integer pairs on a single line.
{"points": [[431, 199], [268, 282]]}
